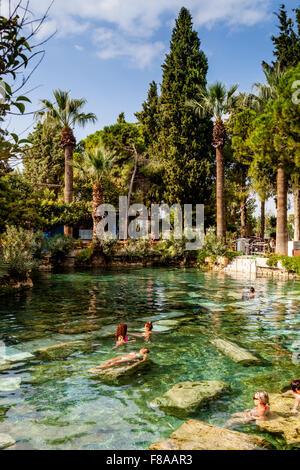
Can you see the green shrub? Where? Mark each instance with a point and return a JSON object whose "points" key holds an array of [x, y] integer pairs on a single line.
{"points": [[59, 248], [108, 246], [18, 249], [39, 245], [273, 261], [84, 256], [136, 249], [289, 263], [202, 254], [214, 245], [230, 254]]}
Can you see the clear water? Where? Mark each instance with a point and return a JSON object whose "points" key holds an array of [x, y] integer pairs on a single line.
{"points": [[59, 406]]}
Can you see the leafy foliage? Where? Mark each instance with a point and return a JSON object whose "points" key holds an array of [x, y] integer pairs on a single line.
{"points": [[288, 262], [184, 141], [21, 250], [59, 248], [84, 256], [214, 245], [18, 49], [44, 160]]}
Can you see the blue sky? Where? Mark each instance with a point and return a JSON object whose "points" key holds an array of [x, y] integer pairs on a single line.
{"points": [[108, 51]]}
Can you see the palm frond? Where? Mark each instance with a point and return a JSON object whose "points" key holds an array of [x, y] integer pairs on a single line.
{"points": [[66, 111]]}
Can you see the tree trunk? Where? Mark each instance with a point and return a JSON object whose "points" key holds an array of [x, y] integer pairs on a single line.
{"points": [[281, 226], [296, 213], [68, 231], [68, 142], [244, 229], [131, 188], [232, 216], [243, 219], [97, 201], [262, 219], [221, 214]]}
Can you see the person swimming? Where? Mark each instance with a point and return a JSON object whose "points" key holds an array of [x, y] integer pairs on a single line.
{"points": [[121, 335], [295, 392], [148, 330], [148, 326], [252, 292], [259, 412], [139, 356], [262, 408]]}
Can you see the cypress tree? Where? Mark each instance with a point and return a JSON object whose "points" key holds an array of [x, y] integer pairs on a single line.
{"points": [[184, 141], [287, 43], [149, 116], [44, 160]]}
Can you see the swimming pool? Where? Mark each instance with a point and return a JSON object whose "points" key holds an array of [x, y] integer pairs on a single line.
{"points": [[51, 402]]}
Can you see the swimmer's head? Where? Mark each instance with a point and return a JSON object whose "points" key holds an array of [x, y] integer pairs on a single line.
{"points": [[121, 330], [295, 385], [262, 397], [252, 290], [144, 351], [149, 326]]}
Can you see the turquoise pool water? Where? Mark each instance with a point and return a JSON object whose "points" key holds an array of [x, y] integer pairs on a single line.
{"points": [[57, 405]]}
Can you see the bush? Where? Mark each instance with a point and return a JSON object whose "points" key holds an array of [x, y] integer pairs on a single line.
{"points": [[84, 256], [59, 248], [230, 254], [273, 261], [108, 246], [39, 245], [202, 254], [137, 249], [214, 245], [18, 249], [289, 263]]}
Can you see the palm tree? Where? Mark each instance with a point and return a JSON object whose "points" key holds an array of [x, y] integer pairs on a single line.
{"points": [[265, 93], [67, 113], [217, 102], [96, 165]]}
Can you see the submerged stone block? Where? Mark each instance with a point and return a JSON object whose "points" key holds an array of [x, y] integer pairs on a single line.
{"points": [[6, 441], [187, 398], [196, 435], [119, 371], [236, 353], [59, 350], [10, 384]]}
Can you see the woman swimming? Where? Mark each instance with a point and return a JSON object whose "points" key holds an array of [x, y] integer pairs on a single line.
{"points": [[130, 357], [259, 412], [148, 330], [148, 326], [121, 335]]}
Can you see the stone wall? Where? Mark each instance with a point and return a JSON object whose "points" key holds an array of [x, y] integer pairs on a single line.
{"points": [[257, 267]]}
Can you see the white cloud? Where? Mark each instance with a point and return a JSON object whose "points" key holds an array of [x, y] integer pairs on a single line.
{"points": [[127, 26], [110, 45]]}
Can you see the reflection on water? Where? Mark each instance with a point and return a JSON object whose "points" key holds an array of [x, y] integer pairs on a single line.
{"points": [[59, 406]]}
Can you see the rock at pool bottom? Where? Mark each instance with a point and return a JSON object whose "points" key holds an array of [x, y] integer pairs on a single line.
{"points": [[118, 372], [186, 398], [234, 352], [10, 384], [60, 350], [6, 441], [196, 435], [281, 421]]}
